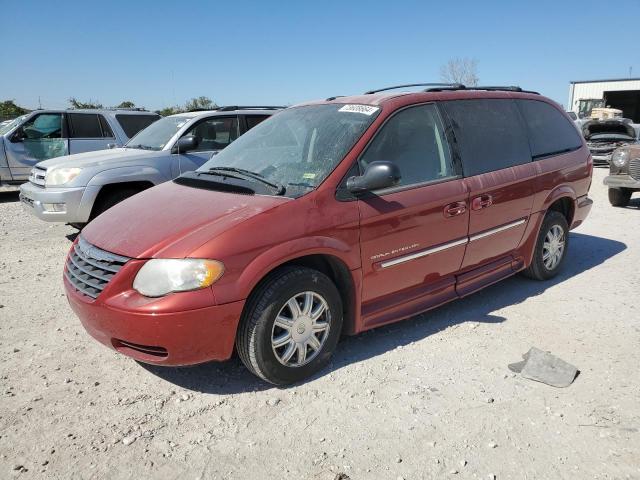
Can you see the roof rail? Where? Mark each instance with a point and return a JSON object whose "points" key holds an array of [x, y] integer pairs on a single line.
{"points": [[509, 88], [249, 107], [457, 86]]}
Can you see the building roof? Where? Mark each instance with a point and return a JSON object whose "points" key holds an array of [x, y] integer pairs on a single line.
{"points": [[606, 80]]}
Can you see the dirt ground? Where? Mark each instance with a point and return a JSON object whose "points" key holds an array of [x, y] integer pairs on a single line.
{"points": [[430, 397]]}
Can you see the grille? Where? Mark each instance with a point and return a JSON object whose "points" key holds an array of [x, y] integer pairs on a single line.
{"points": [[37, 176], [634, 168], [90, 269], [145, 349]]}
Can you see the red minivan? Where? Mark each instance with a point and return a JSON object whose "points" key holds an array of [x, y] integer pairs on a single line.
{"points": [[329, 218]]}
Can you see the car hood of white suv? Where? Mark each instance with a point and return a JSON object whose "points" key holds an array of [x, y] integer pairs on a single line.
{"points": [[98, 158]]}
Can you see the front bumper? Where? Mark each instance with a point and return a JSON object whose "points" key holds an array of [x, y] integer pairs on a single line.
{"points": [[40, 201], [621, 181], [601, 159], [164, 331]]}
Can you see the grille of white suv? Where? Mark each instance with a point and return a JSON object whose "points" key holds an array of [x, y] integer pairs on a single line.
{"points": [[37, 175], [634, 168], [90, 269]]}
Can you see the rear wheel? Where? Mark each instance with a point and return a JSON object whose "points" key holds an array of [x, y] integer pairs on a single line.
{"points": [[290, 326], [551, 247], [110, 199], [619, 197]]}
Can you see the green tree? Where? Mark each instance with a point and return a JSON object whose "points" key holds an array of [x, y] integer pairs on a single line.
{"points": [[200, 103], [169, 111], [75, 103], [127, 104], [9, 109]]}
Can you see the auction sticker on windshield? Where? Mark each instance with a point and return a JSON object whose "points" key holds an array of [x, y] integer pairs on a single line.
{"points": [[365, 109]]}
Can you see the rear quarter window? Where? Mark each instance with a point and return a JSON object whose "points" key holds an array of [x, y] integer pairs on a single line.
{"points": [[132, 124], [490, 134], [550, 132]]}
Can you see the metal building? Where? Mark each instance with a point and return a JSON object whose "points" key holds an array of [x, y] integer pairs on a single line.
{"points": [[621, 93]]}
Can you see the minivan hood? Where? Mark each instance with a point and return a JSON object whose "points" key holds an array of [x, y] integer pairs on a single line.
{"points": [[613, 127], [171, 220], [98, 158]]}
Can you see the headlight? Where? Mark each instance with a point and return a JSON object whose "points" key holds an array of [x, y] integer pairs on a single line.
{"points": [[158, 277], [60, 176], [620, 157]]}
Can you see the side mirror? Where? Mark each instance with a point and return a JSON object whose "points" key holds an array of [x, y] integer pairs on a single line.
{"points": [[186, 144], [18, 135], [378, 175]]}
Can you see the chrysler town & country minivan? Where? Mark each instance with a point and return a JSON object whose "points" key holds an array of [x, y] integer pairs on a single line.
{"points": [[330, 218]]}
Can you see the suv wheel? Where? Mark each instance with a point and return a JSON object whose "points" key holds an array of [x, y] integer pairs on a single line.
{"points": [[110, 199], [619, 197], [290, 326], [551, 247]]}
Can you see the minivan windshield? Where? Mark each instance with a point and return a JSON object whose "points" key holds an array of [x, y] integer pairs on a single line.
{"points": [[13, 123], [296, 148], [158, 134]]}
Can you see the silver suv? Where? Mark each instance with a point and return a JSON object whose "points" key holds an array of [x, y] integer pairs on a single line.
{"points": [[44, 134], [77, 188]]}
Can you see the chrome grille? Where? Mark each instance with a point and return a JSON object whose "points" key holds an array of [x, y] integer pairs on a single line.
{"points": [[37, 176], [634, 168], [90, 269]]}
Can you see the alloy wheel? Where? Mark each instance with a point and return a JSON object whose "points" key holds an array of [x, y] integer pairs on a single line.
{"points": [[553, 247]]}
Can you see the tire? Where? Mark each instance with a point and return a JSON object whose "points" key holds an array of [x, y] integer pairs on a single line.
{"points": [[554, 226], [258, 327], [619, 197], [110, 199]]}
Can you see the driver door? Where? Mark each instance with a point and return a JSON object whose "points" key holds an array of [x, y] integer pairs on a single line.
{"points": [[214, 134], [41, 137]]}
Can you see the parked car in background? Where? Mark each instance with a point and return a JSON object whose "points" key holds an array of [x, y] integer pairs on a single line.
{"points": [[605, 135], [45, 134], [624, 175], [77, 188], [333, 217]]}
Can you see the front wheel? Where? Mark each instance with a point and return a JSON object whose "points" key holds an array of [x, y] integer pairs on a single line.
{"points": [[551, 247], [290, 326], [619, 197]]}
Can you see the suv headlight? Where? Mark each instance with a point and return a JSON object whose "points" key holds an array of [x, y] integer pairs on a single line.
{"points": [[60, 176], [159, 277], [620, 157]]}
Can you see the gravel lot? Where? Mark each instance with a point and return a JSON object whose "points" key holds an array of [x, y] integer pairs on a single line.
{"points": [[427, 398]]}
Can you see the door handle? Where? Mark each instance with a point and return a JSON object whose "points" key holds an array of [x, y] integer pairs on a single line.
{"points": [[454, 209], [483, 201]]}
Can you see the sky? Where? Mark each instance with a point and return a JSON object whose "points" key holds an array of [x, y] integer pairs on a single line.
{"points": [[160, 53]]}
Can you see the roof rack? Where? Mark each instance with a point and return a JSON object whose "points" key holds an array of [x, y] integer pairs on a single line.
{"points": [[249, 107], [509, 88], [449, 85]]}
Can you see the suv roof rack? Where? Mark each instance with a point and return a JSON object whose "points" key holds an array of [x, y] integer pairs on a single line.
{"points": [[508, 88], [249, 107], [446, 85]]}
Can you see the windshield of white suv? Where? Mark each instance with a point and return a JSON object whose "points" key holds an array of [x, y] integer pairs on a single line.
{"points": [[13, 123], [296, 148], [158, 134]]}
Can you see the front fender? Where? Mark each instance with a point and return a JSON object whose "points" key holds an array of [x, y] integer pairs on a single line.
{"points": [[136, 173]]}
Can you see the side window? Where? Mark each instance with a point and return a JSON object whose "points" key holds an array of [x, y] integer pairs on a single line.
{"points": [[84, 125], [254, 120], [549, 131], [490, 134], [106, 128], [45, 125], [215, 133], [414, 140], [132, 124]]}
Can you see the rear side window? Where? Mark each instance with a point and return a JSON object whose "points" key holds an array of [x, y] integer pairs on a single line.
{"points": [[106, 128], [132, 124], [550, 133], [84, 125], [255, 120], [414, 140], [490, 134]]}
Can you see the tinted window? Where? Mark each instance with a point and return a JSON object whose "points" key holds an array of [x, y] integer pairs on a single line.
{"points": [[549, 131], [84, 125], [255, 120], [490, 134], [132, 124], [106, 128], [215, 133], [414, 140], [45, 125]]}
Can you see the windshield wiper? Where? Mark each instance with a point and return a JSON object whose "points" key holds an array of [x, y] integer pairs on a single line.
{"points": [[140, 146], [254, 175]]}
